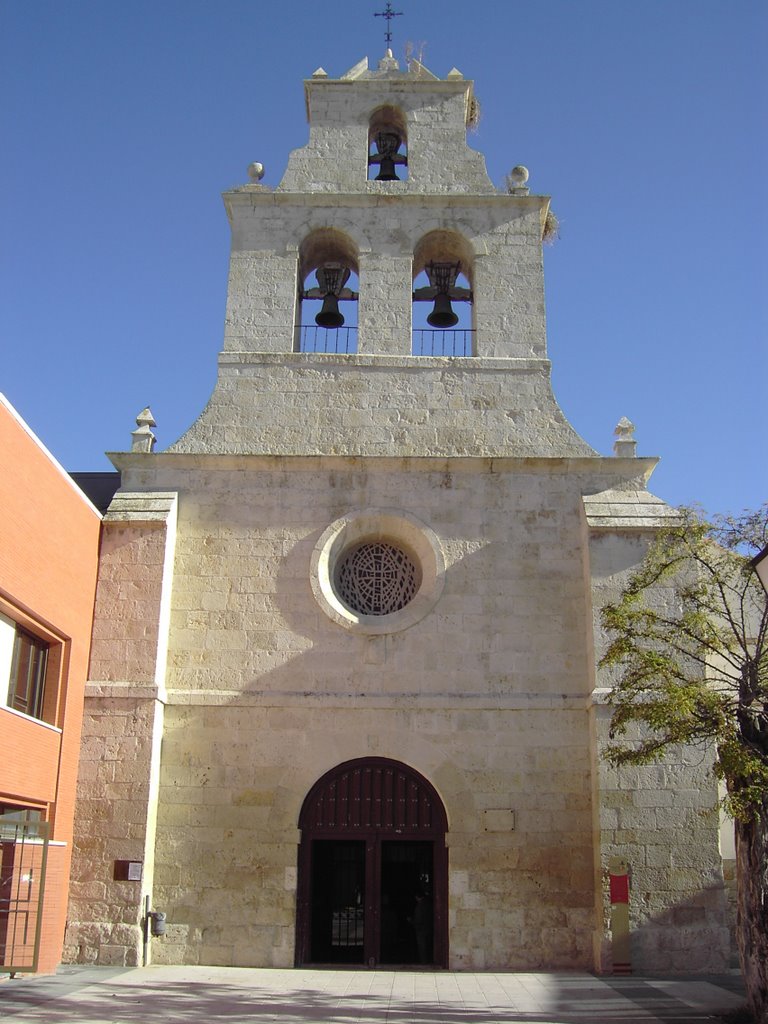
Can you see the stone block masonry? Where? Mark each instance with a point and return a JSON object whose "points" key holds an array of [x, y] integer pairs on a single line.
{"points": [[283, 682], [116, 810]]}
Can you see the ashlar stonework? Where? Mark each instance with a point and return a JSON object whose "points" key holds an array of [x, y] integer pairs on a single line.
{"points": [[462, 814]]}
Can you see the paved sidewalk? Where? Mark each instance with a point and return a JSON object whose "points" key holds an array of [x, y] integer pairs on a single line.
{"points": [[210, 995]]}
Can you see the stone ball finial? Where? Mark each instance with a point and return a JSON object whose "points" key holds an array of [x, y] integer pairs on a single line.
{"points": [[255, 171], [516, 181]]}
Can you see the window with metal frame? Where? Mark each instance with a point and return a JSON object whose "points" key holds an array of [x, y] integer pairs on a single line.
{"points": [[27, 682]]}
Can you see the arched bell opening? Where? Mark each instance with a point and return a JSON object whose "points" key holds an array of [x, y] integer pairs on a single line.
{"points": [[328, 293], [373, 868], [443, 299], [387, 145]]}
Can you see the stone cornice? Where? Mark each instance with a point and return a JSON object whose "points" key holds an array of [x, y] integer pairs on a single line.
{"points": [[150, 507], [382, 701], [618, 469], [377, 193], [628, 510], [466, 365]]}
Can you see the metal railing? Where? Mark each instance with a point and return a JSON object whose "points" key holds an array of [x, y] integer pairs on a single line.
{"points": [[431, 342], [323, 339], [424, 341]]}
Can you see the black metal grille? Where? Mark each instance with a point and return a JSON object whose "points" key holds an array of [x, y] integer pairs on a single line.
{"points": [[23, 856], [323, 339], [456, 344], [376, 579]]}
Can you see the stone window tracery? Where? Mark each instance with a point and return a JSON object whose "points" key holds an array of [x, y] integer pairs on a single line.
{"points": [[377, 571], [376, 578]]}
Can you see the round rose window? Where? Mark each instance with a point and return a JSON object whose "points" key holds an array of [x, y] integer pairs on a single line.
{"points": [[376, 578], [377, 571]]}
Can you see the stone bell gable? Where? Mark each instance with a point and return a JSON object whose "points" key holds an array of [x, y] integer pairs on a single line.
{"points": [[429, 115], [274, 396]]}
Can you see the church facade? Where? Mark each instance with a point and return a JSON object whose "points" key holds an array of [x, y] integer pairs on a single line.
{"points": [[343, 704]]}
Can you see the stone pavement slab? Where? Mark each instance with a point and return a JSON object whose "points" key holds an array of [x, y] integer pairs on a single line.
{"points": [[237, 995]]}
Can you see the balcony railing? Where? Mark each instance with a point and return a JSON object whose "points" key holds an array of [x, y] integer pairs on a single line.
{"points": [[324, 339], [430, 342], [424, 341]]}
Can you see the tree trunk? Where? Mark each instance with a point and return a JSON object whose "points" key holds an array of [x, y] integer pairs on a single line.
{"points": [[752, 918]]}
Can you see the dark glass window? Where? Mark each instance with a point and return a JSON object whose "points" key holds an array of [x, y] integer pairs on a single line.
{"points": [[30, 658]]}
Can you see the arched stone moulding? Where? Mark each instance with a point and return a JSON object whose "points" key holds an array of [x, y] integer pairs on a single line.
{"points": [[392, 526]]}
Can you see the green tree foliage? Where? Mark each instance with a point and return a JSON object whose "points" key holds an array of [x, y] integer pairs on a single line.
{"points": [[687, 656], [687, 651]]}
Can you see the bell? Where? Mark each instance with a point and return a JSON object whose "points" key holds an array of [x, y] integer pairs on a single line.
{"points": [[386, 170], [387, 144], [442, 315], [329, 316], [331, 278]]}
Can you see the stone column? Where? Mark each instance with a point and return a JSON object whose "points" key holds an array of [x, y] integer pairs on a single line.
{"points": [[384, 319], [509, 293], [261, 302], [115, 815]]}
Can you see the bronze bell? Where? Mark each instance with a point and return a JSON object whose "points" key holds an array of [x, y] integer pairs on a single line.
{"points": [[387, 144], [329, 316], [331, 278], [442, 277], [442, 315], [386, 170]]}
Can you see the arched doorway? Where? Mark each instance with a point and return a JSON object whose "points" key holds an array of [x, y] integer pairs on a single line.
{"points": [[373, 868]]}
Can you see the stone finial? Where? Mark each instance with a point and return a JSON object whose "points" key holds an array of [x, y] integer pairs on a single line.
{"points": [[143, 440], [255, 171], [454, 73], [517, 181], [625, 445], [388, 62], [319, 73]]}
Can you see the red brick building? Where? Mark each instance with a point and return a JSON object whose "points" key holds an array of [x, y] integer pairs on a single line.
{"points": [[49, 537]]}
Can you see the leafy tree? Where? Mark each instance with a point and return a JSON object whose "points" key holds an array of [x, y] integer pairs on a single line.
{"points": [[687, 649]]}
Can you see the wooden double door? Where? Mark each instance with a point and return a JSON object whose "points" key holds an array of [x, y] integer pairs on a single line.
{"points": [[372, 869]]}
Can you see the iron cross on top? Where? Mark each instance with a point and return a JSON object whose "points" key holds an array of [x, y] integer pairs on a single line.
{"points": [[389, 14]]}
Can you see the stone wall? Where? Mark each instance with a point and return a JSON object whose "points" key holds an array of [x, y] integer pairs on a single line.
{"points": [[490, 690], [235, 775], [501, 232], [113, 821], [488, 696], [436, 113], [116, 809], [661, 819]]}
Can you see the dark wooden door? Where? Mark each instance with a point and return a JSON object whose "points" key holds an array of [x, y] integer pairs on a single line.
{"points": [[338, 902], [372, 869], [407, 902]]}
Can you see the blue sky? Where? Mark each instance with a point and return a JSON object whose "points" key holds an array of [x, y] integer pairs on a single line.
{"points": [[122, 122]]}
